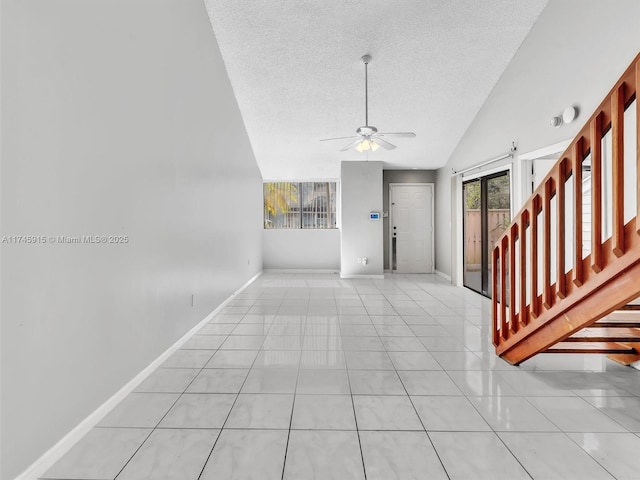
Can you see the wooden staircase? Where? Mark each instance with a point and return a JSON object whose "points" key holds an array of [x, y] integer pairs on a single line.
{"points": [[617, 334], [556, 282]]}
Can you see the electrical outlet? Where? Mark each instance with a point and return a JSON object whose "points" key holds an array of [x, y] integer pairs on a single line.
{"points": [[359, 260]]}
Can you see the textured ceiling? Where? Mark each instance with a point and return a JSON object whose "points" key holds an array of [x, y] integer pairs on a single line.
{"points": [[296, 72]]}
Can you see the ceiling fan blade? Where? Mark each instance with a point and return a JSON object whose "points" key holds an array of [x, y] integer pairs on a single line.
{"points": [[398, 134], [383, 143], [338, 138], [351, 145]]}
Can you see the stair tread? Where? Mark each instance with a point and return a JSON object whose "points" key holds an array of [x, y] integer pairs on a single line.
{"points": [[615, 324], [623, 315], [631, 307], [605, 334], [590, 347]]}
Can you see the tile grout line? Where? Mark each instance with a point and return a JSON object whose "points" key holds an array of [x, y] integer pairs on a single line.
{"points": [[416, 411], [293, 405], [464, 395], [353, 404], [566, 434], [496, 433], [153, 429], [591, 456], [204, 465], [179, 397]]}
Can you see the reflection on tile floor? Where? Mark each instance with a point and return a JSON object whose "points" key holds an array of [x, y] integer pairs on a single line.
{"points": [[306, 376]]}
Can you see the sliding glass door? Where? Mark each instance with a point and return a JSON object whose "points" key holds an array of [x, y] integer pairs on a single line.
{"points": [[486, 215], [473, 251]]}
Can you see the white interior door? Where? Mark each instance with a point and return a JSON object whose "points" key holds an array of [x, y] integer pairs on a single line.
{"points": [[412, 227]]}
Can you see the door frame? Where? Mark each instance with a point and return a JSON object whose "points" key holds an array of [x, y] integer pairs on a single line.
{"points": [[432, 223]]}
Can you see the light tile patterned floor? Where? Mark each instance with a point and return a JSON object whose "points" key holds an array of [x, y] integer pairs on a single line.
{"points": [[307, 376]]}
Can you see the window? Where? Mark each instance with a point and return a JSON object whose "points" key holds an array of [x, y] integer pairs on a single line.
{"points": [[300, 205]]}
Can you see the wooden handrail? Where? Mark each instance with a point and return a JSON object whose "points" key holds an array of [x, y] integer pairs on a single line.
{"points": [[515, 320]]}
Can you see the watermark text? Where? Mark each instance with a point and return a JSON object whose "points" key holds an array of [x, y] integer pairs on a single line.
{"points": [[63, 239]]}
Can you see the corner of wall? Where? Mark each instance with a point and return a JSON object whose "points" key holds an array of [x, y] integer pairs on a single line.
{"points": [[361, 237]]}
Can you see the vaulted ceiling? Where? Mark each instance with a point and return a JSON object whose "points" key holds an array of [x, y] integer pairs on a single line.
{"points": [[295, 68]]}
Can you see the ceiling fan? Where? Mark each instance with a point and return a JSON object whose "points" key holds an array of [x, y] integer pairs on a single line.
{"points": [[367, 137]]}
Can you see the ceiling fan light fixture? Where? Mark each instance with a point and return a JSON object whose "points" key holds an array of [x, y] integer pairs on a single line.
{"points": [[367, 144], [363, 146]]}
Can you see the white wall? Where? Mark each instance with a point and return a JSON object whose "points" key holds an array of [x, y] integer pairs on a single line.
{"points": [[361, 193], [301, 249], [117, 118], [573, 55]]}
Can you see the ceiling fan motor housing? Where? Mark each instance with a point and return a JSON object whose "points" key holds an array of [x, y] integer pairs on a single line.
{"points": [[366, 130]]}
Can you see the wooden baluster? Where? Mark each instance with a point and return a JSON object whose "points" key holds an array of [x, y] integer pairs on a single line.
{"points": [[533, 230], [561, 282], [595, 130], [513, 319], [617, 129], [504, 245], [547, 293], [494, 288], [576, 171], [524, 220], [638, 147]]}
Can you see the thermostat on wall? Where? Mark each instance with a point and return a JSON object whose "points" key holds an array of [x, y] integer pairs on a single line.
{"points": [[374, 215]]}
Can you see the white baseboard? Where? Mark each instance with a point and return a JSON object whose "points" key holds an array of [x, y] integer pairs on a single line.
{"points": [[51, 456], [301, 270], [342, 275], [443, 275]]}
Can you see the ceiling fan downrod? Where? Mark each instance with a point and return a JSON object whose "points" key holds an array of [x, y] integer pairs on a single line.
{"points": [[366, 59]]}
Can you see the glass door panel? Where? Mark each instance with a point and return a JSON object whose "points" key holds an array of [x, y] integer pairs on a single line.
{"points": [[472, 276], [487, 214], [498, 216]]}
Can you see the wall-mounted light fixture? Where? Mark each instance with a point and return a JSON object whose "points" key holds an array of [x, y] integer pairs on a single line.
{"points": [[568, 115]]}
